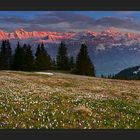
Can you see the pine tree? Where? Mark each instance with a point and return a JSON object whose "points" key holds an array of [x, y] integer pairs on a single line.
{"points": [[62, 58], [43, 60], [113, 76], [28, 61], [54, 66], [102, 76], [47, 58], [84, 65], [71, 62], [5, 55], [38, 58], [9, 55], [18, 58], [109, 76]]}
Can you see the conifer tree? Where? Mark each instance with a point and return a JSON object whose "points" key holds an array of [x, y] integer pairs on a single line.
{"points": [[109, 76], [84, 65], [18, 58], [71, 62], [46, 56], [113, 76], [43, 60], [54, 66], [62, 58], [9, 55], [38, 57], [102, 76], [5, 55], [28, 61]]}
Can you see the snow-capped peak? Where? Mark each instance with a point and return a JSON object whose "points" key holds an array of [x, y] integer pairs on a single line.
{"points": [[110, 37], [20, 29]]}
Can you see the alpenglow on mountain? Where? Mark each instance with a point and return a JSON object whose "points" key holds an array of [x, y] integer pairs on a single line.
{"points": [[104, 39], [111, 50]]}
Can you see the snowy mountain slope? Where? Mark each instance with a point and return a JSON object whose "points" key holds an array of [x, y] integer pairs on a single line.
{"points": [[129, 73], [102, 40]]}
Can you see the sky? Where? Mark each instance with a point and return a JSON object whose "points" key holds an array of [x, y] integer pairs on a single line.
{"points": [[69, 21]]}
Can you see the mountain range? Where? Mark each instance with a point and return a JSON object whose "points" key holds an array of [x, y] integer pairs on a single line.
{"points": [[111, 50], [107, 38]]}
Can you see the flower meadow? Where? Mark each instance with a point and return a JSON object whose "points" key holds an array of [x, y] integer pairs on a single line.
{"points": [[35, 101]]}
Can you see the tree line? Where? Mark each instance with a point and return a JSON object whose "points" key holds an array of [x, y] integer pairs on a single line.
{"points": [[110, 76], [23, 59]]}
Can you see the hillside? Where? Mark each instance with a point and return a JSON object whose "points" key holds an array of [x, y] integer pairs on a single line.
{"points": [[132, 73], [33, 100]]}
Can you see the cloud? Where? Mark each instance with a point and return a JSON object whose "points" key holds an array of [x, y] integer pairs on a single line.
{"points": [[126, 12], [13, 19], [68, 21], [126, 23]]}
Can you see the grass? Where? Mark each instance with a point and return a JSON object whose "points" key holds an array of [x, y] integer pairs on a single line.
{"points": [[64, 101]]}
